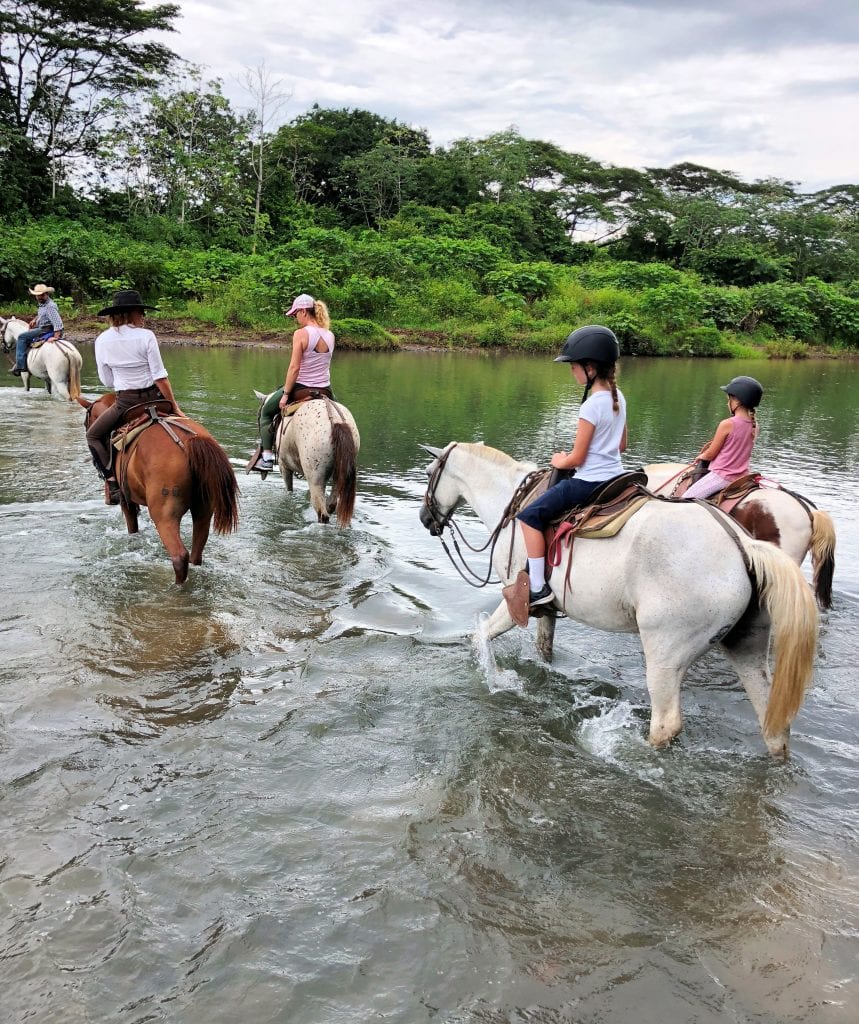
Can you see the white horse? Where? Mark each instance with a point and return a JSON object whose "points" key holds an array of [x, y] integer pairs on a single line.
{"points": [[57, 363], [682, 580], [320, 442], [777, 515]]}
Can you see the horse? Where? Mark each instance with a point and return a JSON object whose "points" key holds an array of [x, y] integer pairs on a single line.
{"points": [[170, 475], [678, 574], [57, 363], [320, 441], [778, 515]]}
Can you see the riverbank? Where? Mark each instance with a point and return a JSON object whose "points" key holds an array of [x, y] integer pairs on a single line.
{"points": [[190, 332]]}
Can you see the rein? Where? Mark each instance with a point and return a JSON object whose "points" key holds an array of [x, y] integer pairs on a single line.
{"points": [[440, 520]]}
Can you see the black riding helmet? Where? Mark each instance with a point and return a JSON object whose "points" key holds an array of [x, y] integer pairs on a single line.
{"points": [[746, 390], [593, 344]]}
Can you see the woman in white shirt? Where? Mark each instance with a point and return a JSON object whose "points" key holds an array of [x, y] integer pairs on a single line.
{"points": [[129, 361]]}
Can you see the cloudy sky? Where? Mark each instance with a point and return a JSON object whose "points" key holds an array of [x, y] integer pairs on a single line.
{"points": [[766, 88]]}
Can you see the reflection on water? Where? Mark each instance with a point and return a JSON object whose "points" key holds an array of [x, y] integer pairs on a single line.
{"points": [[293, 781]]}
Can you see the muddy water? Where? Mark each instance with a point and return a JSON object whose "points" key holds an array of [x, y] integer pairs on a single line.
{"points": [[290, 790]]}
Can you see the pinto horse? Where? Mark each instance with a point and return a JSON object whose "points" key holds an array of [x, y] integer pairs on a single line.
{"points": [[775, 514], [678, 574], [172, 476]]}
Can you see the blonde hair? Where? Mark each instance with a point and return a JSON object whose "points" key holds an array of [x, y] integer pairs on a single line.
{"points": [[320, 314]]}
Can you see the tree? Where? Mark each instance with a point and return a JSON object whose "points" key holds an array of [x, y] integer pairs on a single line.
{"points": [[269, 98], [60, 60]]}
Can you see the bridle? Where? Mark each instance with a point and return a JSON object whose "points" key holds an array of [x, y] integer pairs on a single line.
{"points": [[438, 520]]}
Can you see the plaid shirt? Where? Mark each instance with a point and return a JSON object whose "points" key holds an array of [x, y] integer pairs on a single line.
{"points": [[47, 315]]}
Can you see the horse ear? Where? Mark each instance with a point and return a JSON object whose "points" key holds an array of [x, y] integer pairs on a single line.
{"points": [[435, 452]]}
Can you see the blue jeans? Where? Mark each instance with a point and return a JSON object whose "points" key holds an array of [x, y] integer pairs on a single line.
{"points": [[25, 340]]}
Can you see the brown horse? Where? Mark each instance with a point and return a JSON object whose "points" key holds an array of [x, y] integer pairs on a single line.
{"points": [[170, 477]]}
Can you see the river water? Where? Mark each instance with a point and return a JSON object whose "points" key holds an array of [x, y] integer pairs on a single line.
{"points": [[289, 791]]}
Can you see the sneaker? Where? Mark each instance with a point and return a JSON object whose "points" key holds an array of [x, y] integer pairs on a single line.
{"points": [[542, 596], [16, 371], [265, 463]]}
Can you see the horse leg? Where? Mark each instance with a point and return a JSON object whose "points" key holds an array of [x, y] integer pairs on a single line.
{"points": [[130, 512], [749, 656], [665, 672], [62, 390], [287, 477], [546, 637], [168, 531], [497, 623], [317, 499], [199, 536]]}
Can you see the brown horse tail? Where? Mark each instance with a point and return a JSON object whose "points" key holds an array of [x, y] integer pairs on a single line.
{"points": [[345, 471], [213, 481], [822, 556]]}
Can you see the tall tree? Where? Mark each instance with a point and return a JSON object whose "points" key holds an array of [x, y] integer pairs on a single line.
{"points": [[269, 97], [60, 60]]}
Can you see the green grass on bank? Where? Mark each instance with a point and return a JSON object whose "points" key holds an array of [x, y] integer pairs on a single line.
{"points": [[451, 292]]}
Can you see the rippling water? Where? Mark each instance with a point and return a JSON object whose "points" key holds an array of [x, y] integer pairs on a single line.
{"points": [[292, 791]]}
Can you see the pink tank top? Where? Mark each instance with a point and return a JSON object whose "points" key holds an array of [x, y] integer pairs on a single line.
{"points": [[732, 462], [315, 370]]}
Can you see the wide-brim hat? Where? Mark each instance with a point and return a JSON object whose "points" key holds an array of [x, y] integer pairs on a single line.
{"points": [[123, 301], [41, 289]]}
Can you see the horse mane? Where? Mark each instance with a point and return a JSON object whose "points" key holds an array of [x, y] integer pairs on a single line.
{"points": [[494, 455]]}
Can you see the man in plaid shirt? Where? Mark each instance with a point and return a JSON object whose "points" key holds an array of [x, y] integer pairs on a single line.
{"points": [[47, 318]]}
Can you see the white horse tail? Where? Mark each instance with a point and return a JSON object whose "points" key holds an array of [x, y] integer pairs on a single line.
{"points": [[74, 375], [822, 556], [345, 480], [787, 598]]}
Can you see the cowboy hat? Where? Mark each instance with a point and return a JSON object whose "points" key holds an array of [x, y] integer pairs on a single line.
{"points": [[123, 301], [40, 289]]}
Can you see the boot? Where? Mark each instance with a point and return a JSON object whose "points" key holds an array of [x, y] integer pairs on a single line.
{"points": [[111, 492]]}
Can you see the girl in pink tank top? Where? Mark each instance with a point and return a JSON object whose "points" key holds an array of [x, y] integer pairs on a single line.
{"points": [[731, 447]]}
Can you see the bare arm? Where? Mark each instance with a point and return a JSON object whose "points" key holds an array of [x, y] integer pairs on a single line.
{"points": [[299, 344], [581, 445], [711, 450]]}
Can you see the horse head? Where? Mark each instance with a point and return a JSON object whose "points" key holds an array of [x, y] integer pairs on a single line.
{"points": [[441, 498]]}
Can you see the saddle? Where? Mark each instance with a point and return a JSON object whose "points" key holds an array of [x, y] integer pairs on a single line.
{"points": [[726, 499], [135, 422], [608, 510]]}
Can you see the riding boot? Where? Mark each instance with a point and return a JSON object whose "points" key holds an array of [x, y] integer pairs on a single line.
{"points": [[112, 492]]}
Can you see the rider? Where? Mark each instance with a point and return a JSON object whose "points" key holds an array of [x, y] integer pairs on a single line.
{"points": [[309, 369], [128, 360], [731, 447], [47, 317], [600, 438]]}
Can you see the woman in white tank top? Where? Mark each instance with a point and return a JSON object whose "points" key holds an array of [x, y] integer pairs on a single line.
{"points": [[309, 367]]}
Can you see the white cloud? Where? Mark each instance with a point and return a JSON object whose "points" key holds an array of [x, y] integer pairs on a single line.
{"points": [[770, 91]]}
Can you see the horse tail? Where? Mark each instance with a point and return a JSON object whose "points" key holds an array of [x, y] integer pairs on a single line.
{"points": [[345, 471], [784, 593], [74, 376], [822, 556], [213, 480]]}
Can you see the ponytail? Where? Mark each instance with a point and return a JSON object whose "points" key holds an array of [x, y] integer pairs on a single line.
{"points": [[608, 373], [321, 315]]}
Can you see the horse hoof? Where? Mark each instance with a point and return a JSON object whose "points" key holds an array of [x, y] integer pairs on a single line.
{"points": [[180, 567]]}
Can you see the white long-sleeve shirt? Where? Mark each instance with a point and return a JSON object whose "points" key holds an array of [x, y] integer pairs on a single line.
{"points": [[128, 358]]}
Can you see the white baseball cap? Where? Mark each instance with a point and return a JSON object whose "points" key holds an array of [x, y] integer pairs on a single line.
{"points": [[301, 302]]}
